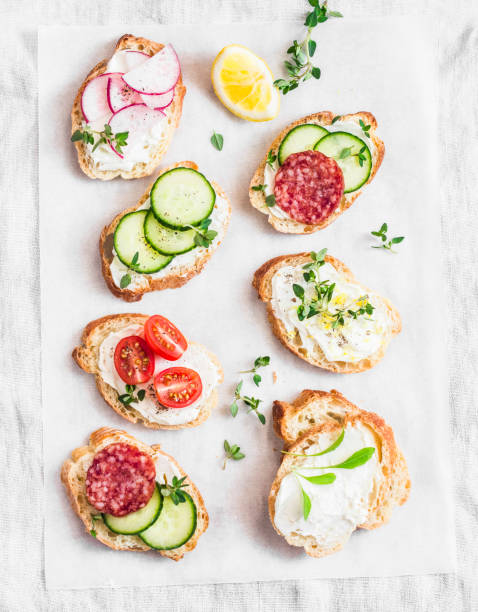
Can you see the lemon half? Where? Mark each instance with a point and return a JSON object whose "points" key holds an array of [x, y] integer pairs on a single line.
{"points": [[244, 84]]}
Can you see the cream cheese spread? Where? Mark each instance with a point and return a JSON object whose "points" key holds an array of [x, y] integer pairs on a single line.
{"points": [[355, 340], [339, 508], [195, 357], [270, 171], [218, 217]]}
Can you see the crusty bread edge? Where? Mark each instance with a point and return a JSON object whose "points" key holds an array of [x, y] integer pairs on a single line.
{"points": [[395, 488], [83, 354], [127, 41], [110, 435], [263, 276], [290, 226], [169, 281]]}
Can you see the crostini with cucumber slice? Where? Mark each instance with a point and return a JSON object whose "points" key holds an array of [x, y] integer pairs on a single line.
{"points": [[168, 236], [315, 169], [131, 496]]}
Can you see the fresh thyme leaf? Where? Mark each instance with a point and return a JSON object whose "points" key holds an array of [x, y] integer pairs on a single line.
{"points": [[234, 408], [125, 281], [217, 141], [312, 47], [259, 187], [262, 362], [93, 532], [257, 379], [345, 152], [316, 72], [203, 236], [329, 449], [271, 157], [237, 391], [357, 459], [261, 418], [78, 135], [336, 118], [134, 261], [232, 452], [306, 504], [322, 479], [398, 239], [129, 398], [141, 394], [270, 200]]}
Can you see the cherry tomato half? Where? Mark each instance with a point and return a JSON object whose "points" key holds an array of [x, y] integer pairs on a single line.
{"points": [[134, 360], [177, 387], [164, 338]]}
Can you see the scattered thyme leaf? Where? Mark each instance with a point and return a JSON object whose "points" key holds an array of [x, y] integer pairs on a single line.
{"points": [[217, 141], [386, 243], [232, 452], [125, 281], [270, 200]]}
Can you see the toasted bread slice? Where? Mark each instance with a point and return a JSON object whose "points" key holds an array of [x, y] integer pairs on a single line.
{"points": [[262, 282], [174, 275], [73, 476], [324, 118], [87, 357], [302, 422], [173, 112]]}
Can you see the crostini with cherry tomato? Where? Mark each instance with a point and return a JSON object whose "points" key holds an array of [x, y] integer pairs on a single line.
{"points": [[148, 372]]}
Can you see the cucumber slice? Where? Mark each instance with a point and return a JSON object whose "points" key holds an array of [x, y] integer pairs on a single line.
{"points": [[334, 144], [182, 197], [300, 138], [173, 527], [129, 239], [136, 521], [165, 239]]}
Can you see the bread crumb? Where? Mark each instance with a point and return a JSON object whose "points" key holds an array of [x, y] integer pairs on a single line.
{"points": [[274, 377]]}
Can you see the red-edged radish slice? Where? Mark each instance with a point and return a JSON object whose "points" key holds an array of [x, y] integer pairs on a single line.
{"points": [[137, 120], [157, 75], [160, 101], [121, 95], [94, 99], [126, 59]]}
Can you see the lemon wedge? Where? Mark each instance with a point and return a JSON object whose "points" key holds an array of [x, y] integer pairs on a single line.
{"points": [[244, 84]]}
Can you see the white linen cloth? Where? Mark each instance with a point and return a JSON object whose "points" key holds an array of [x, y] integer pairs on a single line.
{"points": [[21, 520]]}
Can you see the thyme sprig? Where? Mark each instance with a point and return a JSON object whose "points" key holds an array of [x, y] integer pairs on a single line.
{"points": [[299, 66], [87, 135], [128, 397], [203, 236], [347, 152], [251, 402], [232, 452], [386, 244], [260, 362], [174, 490]]}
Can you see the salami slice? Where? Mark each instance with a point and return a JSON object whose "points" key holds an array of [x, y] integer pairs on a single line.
{"points": [[120, 480], [309, 186]]}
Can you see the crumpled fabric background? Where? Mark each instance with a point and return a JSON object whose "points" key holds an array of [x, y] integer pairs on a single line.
{"points": [[21, 518]]}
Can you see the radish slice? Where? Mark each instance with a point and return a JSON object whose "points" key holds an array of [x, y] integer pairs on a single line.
{"points": [[137, 120], [98, 125], [157, 75], [159, 101], [94, 100], [126, 59], [120, 95]]}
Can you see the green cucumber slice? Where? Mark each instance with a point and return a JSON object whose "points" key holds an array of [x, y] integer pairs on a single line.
{"points": [[166, 240], [174, 526], [334, 144], [129, 239], [136, 521], [182, 197], [300, 138]]}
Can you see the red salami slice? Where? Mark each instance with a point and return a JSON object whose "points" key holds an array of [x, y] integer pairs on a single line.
{"points": [[309, 186], [120, 480]]}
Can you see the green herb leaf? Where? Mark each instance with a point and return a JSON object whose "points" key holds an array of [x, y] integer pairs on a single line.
{"points": [[316, 72], [259, 187], [141, 394], [93, 532], [312, 47], [134, 261], [262, 362], [270, 200], [232, 452], [298, 290], [329, 449], [398, 239], [174, 490], [78, 135], [125, 281], [271, 158], [237, 391], [322, 479], [261, 418], [234, 409], [345, 153], [257, 379], [306, 504], [357, 459], [334, 14], [336, 118], [217, 141]]}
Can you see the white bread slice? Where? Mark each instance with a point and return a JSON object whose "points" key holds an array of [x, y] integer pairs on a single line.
{"points": [[87, 354], [127, 41], [175, 278], [73, 476], [315, 412], [262, 282], [324, 118]]}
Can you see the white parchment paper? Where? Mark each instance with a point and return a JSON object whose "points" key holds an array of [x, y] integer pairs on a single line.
{"points": [[383, 66]]}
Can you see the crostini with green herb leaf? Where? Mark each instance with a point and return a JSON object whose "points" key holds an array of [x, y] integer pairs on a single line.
{"points": [[341, 470]]}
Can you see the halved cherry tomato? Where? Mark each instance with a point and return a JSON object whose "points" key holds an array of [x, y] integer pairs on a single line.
{"points": [[164, 338], [134, 360], [177, 387]]}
